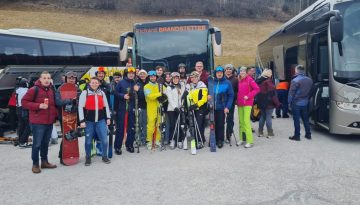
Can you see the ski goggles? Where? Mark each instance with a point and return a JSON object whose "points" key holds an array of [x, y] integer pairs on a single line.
{"points": [[131, 70], [219, 69], [152, 73]]}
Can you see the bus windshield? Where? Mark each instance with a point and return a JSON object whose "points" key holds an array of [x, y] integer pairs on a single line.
{"points": [[347, 66], [170, 46]]}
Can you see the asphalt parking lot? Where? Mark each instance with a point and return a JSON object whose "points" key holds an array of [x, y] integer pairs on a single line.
{"points": [[324, 170]]}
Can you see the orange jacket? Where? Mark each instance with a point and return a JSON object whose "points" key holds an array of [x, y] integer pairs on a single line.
{"points": [[283, 86]]}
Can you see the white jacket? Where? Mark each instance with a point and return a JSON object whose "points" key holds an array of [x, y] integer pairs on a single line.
{"points": [[174, 95], [20, 92]]}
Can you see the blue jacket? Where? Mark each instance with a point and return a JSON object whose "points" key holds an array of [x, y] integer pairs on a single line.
{"points": [[224, 94], [125, 86], [300, 90]]}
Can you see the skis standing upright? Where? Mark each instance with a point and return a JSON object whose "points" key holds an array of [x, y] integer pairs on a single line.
{"points": [[126, 116], [162, 126], [212, 138], [137, 130]]}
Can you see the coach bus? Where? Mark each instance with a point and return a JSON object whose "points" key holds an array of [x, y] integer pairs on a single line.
{"points": [[169, 43], [28, 52], [325, 38]]}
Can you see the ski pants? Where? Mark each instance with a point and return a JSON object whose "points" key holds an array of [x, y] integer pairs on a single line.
{"points": [[23, 125], [244, 123], [200, 119], [219, 116], [230, 122], [100, 128], [153, 123], [283, 98], [175, 134], [120, 131]]}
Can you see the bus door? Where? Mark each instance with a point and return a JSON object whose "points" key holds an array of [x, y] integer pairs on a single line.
{"points": [[319, 71]]}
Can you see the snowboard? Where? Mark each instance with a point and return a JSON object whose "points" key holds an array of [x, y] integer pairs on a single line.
{"points": [[70, 145], [212, 138]]}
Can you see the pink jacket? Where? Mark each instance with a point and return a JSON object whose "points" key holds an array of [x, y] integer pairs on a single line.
{"points": [[247, 87]]}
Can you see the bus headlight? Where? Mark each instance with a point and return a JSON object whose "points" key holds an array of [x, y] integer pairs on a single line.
{"points": [[348, 106]]}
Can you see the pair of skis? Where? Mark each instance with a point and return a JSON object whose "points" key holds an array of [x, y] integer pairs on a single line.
{"points": [[212, 119]]}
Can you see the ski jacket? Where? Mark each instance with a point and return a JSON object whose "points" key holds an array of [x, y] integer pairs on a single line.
{"points": [[267, 98], [223, 94], [105, 87], [20, 93], [198, 95], [234, 83], [32, 103], [247, 87], [152, 92], [141, 94], [125, 86], [113, 104], [175, 94], [300, 90], [93, 106]]}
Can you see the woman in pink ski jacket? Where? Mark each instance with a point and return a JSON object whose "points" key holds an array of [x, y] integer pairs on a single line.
{"points": [[247, 89]]}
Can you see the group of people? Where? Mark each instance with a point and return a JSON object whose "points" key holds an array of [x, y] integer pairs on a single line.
{"points": [[160, 104]]}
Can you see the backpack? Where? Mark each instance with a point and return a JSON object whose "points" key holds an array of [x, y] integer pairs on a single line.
{"points": [[255, 113]]}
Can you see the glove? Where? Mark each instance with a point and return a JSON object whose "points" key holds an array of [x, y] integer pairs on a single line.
{"points": [[177, 110], [193, 107], [68, 108], [74, 101]]}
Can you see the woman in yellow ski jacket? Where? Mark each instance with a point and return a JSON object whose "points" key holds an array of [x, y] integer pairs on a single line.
{"points": [[152, 97]]}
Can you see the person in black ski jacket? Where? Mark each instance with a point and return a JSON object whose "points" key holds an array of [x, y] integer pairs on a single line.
{"points": [[230, 75], [125, 90], [142, 81]]}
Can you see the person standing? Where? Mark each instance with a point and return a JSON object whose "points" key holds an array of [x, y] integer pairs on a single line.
{"points": [[125, 89], [22, 114], [266, 101], [197, 102], [40, 101], [282, 90], [174, 93], [230, 76], [12, 113], [203, 74], [182, 72], [247, 89], [223, 100], [93, 102], [299, 94], [160, 74], [142, 81], [70, 77], [153, 98]]}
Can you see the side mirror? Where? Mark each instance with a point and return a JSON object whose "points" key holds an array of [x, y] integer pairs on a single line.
{"points": [[336, 28], [216, 41], [124, 45]]}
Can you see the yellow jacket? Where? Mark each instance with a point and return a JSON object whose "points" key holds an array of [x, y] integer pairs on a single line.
{"points": [[197, 94], [151, 91]]}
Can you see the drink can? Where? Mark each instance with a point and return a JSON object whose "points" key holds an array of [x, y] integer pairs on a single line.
{"points": [[46, 101]]}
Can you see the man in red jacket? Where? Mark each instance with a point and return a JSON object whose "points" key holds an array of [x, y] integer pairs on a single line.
{"points": [[40, 102]]}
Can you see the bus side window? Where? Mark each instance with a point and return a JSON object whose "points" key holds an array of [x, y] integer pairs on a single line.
{"points": [[19, 50], [83, 54], [56, 52]]}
